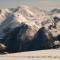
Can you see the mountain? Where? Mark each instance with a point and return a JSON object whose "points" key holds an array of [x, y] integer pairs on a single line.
{"points": [[54, 11], [29, 28], [10, 18]]}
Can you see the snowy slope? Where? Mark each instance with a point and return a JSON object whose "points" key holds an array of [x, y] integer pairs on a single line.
{"points": [[30, 15], [22, 14], [53, 54]]}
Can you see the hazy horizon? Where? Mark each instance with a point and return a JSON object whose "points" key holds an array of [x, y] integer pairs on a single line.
{"points": [[37, 3]]}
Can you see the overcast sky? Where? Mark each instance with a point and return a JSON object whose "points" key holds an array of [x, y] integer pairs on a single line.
{"points": [[38, 3]]}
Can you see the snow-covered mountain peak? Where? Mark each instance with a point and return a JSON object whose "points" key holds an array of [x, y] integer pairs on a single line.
{"points": [[27, 23], [31, 16]]}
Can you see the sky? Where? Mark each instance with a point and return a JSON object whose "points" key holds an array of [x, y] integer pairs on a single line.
{"points": [[37, 3]]}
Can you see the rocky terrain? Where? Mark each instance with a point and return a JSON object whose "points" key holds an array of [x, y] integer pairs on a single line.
{"points": [[29, 28]]}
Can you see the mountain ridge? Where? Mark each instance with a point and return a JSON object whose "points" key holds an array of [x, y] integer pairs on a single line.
{"points": [[33, 28]]}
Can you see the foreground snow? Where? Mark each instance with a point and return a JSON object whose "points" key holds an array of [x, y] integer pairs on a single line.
{"points": [[40, 54]]}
